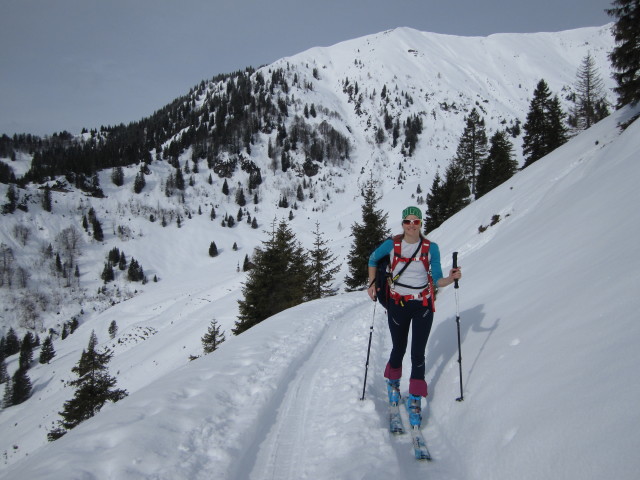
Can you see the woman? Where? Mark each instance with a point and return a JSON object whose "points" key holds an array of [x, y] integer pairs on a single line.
{"points": [[410, 305]]}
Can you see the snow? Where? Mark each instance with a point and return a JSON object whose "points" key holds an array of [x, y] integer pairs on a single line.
{"points": [[549, 328]]}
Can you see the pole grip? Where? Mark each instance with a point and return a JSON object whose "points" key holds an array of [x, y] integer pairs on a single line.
{"points": [[455, 265]]}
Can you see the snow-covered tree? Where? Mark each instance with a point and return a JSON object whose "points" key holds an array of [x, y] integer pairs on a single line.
{"points": [[94, 387], [213, 338], [625, 57]]}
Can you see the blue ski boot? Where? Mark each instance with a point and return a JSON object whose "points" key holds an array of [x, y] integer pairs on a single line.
{"points": [[414, 409], [393, 389]]}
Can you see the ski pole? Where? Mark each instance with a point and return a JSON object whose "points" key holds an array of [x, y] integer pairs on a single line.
{"points": [[455, 265], [366, 367]]}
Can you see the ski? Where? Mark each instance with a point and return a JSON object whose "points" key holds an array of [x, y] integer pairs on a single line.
{"points": [[420, 449], [395, 420]]}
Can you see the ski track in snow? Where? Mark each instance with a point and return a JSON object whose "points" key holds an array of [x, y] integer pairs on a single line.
{"points": [[306, 440], [287, 449]]}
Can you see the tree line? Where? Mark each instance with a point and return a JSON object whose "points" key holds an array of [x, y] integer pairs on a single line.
{"points": [[481, 164]]}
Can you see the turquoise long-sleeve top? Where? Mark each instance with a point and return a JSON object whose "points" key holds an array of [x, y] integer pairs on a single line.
{"points": [[386, 248]]}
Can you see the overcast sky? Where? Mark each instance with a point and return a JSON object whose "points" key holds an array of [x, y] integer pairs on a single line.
{"points": [[69, 64]]}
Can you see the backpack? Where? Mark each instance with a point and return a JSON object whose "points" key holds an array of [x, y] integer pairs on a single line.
{"points": [[384, 268]]}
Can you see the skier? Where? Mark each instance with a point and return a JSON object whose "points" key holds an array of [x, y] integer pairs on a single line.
{"points": [[410, 305]]}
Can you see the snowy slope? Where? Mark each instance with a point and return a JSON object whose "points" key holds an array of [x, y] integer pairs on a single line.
{"points": [[548, 310]]}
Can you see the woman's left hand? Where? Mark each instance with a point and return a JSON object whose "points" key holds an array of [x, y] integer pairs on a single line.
{"points": [[455, 273]]}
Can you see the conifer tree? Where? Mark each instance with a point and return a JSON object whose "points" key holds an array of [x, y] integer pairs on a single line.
{"points": [[449, 198], [213, 249], [499, 166], [117, 176], [26, 351], [544, 129], [21, 388], [322, 269], [97, 230], [122, 262], [472, 148], [434, 216], [139, 183], [366, 237], [135, 273], [213, 338], [246, 265], [113, 329], [7, 398], [557, 131], [47, 352], [625, 57], [240, 198], [46, 199], [277, 280], [94, 387], [107, 274], [590, 103], [12, 343], [4, 374]]}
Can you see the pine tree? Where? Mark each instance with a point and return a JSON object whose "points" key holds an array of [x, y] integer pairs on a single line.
{"points": [[213, 338], [240, 199], [434, 216], [7, 398], [94, 387], [122, 262], [97, 230], [4, 374], [322, 269], [454, 192], [544, 128], [366, 238], [179, 178], [107, 274], [46, 199], [499, 166], [117, 176], [625, 57], [213, 249], [26, 351], [47, 351], [135, 273], [21, 388], [472, 148], [534, 142], [139, 183], [12, 343], [590, 103], [557, 130], [113, 329], [277, 280], [246, 265]]}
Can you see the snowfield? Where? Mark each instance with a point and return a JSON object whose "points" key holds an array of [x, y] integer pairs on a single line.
{"points": [[548, 308], [548, 302]]}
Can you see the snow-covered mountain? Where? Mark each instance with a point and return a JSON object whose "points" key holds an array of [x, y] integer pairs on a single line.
{"points": [[547, 312]]}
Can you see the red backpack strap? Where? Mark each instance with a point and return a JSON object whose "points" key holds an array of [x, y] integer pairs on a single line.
{"points": [[397, 251], [424, 255]]}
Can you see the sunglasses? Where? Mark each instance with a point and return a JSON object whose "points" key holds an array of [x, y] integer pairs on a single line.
{"points": [[412, 222]]}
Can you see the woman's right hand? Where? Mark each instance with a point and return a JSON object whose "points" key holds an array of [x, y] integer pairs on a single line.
{"points": [[372, 291]]}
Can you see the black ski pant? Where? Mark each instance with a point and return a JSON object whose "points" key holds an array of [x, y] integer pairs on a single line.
{"points": [[419, 318]]}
